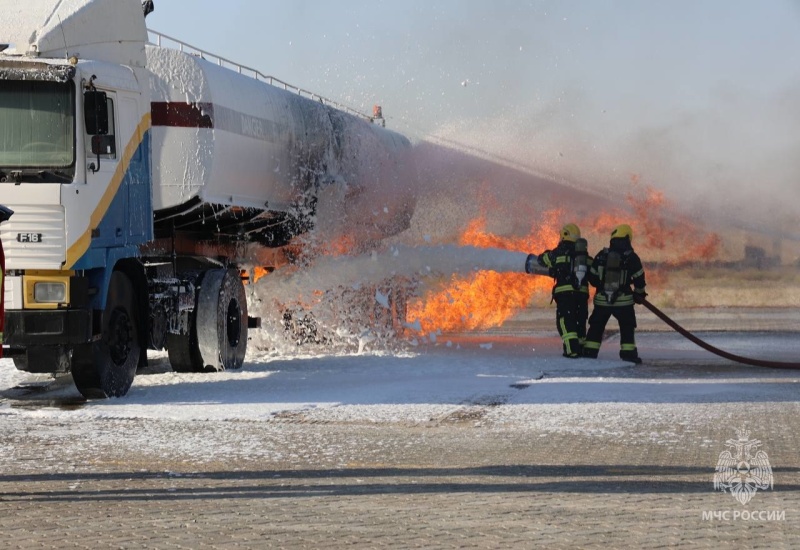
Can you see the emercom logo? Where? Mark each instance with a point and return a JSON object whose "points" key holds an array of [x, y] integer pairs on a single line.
{"points": [[743, 469]]}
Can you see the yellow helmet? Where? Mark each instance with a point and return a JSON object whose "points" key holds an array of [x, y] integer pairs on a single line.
{"points": [[622, 231], [570, 232]]}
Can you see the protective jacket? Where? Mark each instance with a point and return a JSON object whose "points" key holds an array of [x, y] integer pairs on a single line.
{"points": [[561, 265], [617, 273], [568, 267]]}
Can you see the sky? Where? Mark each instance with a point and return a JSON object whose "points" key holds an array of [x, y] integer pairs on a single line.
{"points": [[699, 98]]}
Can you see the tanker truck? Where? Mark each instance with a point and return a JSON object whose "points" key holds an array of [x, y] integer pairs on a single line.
{"points": [[146, 177]]}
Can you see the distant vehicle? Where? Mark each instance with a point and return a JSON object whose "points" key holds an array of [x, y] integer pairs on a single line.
{"points": [[146, 180]]}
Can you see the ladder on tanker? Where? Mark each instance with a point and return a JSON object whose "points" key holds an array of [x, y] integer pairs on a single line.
{"points": [[164, 41]]}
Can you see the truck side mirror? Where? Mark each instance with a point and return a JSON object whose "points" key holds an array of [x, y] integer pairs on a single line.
{"points": [[95, 112]]}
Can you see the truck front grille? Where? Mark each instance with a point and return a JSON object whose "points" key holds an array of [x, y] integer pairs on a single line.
{"points": [[34, 237]]}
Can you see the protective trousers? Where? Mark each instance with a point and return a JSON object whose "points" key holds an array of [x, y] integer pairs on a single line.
{"points": [[572, 309], [626, 317]]}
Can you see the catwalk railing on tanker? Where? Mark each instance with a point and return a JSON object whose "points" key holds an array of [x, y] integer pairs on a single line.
{"points": [[158, 39]]}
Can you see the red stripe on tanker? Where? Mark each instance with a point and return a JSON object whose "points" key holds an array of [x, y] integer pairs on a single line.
{"points": [[184, 115]]}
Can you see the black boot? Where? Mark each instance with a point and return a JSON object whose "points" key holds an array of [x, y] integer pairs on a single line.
{"points": [[631, 356], [575, 350], [590, 353]]}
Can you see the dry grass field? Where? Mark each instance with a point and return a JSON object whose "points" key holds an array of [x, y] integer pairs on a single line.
{"points": [[725, 287]]}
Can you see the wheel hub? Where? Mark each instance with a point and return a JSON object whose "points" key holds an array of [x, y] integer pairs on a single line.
{"points": [[233, 323], [119, 336]]}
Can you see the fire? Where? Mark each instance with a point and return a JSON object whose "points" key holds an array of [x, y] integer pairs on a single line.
{"points": [[488, 299], [542, 235], [663, 230], [338, 246], [259, 272], [300, 252], [484, 300]]}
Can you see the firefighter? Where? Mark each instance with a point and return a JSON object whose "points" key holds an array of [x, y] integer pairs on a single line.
{"points": [[5, 213], [618, 276], [568, 264]]}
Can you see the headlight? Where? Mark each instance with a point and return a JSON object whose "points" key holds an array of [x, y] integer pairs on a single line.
{"points": [[50, 293]]}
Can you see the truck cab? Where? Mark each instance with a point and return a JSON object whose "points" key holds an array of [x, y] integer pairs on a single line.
{"points": [[74, 166]]}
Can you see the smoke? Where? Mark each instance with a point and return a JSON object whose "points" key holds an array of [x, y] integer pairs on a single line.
{"points": [[741, 168], [693, 100], [735, 159]]}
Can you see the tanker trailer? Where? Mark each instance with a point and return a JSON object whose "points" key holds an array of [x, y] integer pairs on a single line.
{"points": [[143, 180], [240, 167]]}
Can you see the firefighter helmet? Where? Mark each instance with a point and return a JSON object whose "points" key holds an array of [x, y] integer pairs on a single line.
{"points": [[570, 232], [622, 231]]}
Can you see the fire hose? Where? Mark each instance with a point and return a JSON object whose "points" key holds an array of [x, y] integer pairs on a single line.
{"points": [[708, 347]]}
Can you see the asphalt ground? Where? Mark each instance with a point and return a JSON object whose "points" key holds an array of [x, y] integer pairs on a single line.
{"points": [[493, 472]]}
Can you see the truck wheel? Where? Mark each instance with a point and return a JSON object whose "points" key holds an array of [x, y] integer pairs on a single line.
{"points": [[221, 320], [184, 355], [106, 368]]}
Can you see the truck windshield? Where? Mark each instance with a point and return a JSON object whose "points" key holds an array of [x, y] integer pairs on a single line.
{"points": [[37, 124]]}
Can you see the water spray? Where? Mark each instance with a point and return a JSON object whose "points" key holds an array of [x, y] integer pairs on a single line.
{"points": [[403, 261], [345, 299]]}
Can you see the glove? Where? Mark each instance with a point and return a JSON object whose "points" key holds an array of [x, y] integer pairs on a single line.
{"points": [[639, 296], [531, 262]]}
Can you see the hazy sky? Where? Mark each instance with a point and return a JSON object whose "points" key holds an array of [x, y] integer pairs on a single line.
{"points": [[701, 98]]}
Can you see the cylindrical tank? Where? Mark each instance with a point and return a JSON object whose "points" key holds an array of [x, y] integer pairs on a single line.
{"points": [[225, 139]]}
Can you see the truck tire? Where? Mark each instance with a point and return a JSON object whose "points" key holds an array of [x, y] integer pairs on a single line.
{"points": [[106, 368], [221, 320], [184, 355]]}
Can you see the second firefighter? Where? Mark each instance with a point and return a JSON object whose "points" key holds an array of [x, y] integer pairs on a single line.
{"points": [[618, 276]]}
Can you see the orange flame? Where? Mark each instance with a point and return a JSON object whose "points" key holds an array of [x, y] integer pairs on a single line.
{"points": [[259, 272], [664, 230], [488, 299], [484, 300]]}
